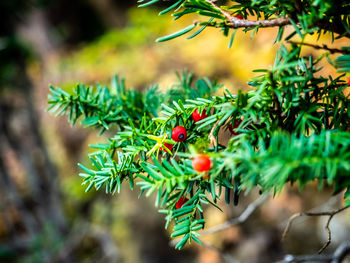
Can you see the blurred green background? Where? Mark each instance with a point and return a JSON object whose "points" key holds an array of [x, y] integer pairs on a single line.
{"points": [[45, 214]]}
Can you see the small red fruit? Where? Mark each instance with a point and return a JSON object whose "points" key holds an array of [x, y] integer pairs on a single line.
{"points": [[181, 202], [196, 116], [167, 145], [239, 17], [201, 163], [232, 129], [349, 81], [179, 134]]}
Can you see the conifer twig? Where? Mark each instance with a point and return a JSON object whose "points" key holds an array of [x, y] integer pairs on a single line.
{"points": [[235, 22]]}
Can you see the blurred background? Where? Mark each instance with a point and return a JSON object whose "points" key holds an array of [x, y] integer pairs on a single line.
{"points": [[45, 214]]}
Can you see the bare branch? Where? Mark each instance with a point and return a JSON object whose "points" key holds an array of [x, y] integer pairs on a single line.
{"points": [[239, 220], [330, 215]]}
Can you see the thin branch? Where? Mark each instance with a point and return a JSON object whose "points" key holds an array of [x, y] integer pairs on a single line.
{"points": [[330, 215], [235, 22], [239, 220], [323, 47]]}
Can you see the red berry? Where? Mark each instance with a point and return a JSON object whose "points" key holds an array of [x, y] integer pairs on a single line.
{"points": [[179, 134], [181, 202], [167, 145], [232, 129], [349, 81], [239, 17], [196, 116], [201, 163]]}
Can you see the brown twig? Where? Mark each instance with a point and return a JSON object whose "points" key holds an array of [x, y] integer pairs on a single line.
{"points": [[330, 215], [324, 47], [239, 220], [235, 22], [211, 136]]}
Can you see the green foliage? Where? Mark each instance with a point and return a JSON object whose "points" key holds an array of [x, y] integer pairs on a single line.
{"points": [[323, 158], [99, 107], [293, 125]]}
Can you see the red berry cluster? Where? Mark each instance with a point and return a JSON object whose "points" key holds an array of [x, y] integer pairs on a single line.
{"points": [[239, 17], [179, 133]]}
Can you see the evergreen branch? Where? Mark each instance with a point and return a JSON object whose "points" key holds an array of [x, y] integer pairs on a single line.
{"points": [[292, 109], [305, 19], [288, 112], [234, 22], [109, 172], [99, 107], [312, 159]]}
